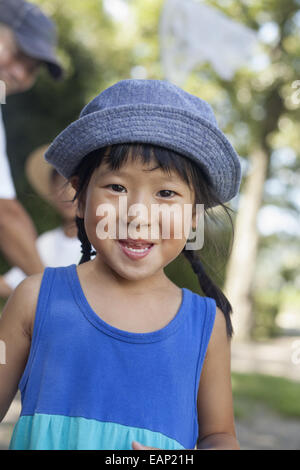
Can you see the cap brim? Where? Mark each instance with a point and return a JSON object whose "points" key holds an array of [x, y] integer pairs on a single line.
{"points": [[42, 52], [165, 126], [55, 70]]}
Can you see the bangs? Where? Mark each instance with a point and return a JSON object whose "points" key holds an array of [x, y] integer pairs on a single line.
{"points": [[168, 161], [113, 157]]}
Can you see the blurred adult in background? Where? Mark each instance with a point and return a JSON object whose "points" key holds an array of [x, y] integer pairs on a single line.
{"points": [[27, 42], [57, 247]]}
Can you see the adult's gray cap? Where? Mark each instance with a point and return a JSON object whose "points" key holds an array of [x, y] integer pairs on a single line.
{"points": [[34, 32]]}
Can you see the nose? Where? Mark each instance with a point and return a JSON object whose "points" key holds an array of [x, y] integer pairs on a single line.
{"points": [[138, 222], [139, 208]]}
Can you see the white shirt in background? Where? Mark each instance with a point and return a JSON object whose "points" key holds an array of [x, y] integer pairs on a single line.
{"points": [[7, 188], [55, 249]]}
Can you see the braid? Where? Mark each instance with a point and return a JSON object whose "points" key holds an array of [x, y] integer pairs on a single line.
{"points": [[209, 288], [86, 247]]}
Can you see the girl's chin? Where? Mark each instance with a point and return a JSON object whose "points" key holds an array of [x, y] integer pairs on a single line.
{"points": [[132, 274], [126, 265]]}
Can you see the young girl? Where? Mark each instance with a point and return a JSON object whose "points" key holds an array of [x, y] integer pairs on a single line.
{"points": [[109, 354]]}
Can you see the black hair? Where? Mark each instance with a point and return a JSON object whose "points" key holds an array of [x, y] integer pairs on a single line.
{"points": [[195, 177]]}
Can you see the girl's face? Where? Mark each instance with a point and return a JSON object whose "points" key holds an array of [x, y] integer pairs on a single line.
{"points": [[154, 234]]}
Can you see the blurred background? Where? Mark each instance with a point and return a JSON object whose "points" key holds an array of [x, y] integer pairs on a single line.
{"points": [[244, 59]]}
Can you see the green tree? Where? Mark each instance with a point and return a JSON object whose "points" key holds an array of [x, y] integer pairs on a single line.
{"points": [[259, 110]]}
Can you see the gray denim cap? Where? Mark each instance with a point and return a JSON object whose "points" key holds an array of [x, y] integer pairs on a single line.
{"points": [[156, 112], [34, 32]]}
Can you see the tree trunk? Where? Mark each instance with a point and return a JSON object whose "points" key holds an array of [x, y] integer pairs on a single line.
{"points": [[242, 262]]}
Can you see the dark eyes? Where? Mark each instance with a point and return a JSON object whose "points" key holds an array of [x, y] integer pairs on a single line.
{"points": [[118, 188], [167, 191], [115, 187]]}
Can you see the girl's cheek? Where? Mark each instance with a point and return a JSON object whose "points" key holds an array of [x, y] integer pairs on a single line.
{"points": [[103, 218], [175, 225], [167, 222]]}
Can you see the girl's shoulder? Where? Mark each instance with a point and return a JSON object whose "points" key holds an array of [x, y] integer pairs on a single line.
{"points": [[216, 321], [219, 339], [202, 302], [24, 300]]}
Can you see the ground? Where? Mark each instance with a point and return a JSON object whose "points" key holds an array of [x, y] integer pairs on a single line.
{"points": [[263, 428], [266, 430]]}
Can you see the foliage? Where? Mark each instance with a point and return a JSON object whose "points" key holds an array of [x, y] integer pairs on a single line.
{"points": [[278, 393], [260, 107], [266, 307]]}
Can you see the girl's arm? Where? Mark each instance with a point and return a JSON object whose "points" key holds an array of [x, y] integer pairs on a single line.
{"points": [[16, 326], [215, 407]]}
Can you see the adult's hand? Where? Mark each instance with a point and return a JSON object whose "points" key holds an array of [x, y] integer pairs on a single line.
{"points": [[5, 289]]}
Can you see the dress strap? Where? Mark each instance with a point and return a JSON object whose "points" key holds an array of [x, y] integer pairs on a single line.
{"points": [[209, 315]]}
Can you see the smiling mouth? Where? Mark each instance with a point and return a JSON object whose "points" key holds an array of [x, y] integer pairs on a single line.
{"points": [[136, 244], [135, 251]]}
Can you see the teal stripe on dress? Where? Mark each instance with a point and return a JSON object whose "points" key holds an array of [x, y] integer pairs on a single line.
{"points": [[57, 432]]}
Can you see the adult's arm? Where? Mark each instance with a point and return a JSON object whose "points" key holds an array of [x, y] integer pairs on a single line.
{"points": [[18, 237], [5, 289]]}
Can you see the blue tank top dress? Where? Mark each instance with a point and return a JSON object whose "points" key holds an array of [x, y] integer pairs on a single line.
{"points": [[89, 385]]}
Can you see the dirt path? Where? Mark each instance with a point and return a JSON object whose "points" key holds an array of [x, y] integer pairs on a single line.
{"points": [[266, 430]]}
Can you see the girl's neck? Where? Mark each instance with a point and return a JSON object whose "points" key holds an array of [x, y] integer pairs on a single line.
{"points": [[98, 271]]}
